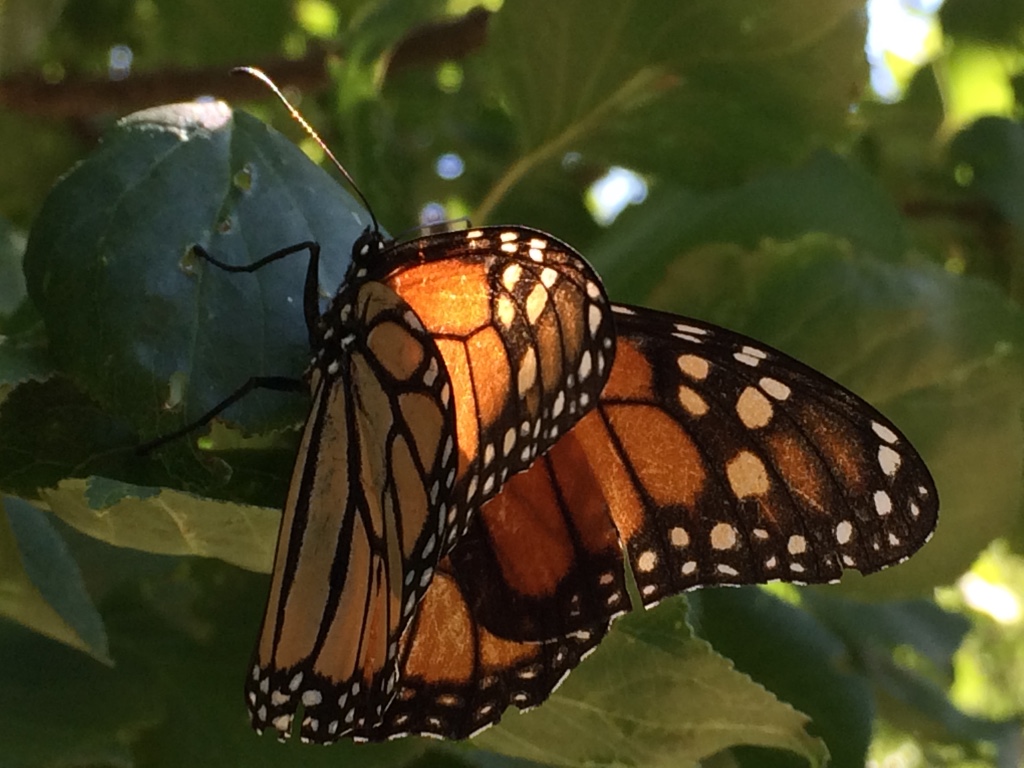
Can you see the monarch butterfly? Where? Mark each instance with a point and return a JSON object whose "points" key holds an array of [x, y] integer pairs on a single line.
{"points": [[490, 438], [488, 433]]}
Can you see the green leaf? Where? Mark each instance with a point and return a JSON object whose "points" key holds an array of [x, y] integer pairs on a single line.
{"points": [[919, 705], [49, 430], [167, 522], [712, 88], [61, 707], [193, 33], [933, 633], [40, 584], [12, 282], [990, 153], [133, 316], [652, 695], [984, 21], [21, 362], [797, 658], [45, 150], [181, 637], [824, 194]]}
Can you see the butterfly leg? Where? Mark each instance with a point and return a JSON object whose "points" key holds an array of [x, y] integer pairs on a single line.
{"points": [[310, 294], [277, 383]]}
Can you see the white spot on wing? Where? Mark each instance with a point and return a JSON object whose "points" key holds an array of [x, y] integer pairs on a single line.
{"points": [[535, 303], [889, 460], [695, 367], [723, 536], [510, 277], [431, 375], [558, 406], [528, 371], [884, 432], [883, 504], [775, 388], [647, 561], [585, 366], [844, 531]]}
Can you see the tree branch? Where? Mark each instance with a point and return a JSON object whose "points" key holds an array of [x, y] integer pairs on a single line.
{"points": [[82, 97]]}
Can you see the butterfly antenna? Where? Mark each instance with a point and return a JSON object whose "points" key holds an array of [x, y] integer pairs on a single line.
{"points": [[262, 77]]}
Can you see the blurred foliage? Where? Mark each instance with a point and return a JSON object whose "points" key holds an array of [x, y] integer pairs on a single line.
{"points": [[880, 241]]}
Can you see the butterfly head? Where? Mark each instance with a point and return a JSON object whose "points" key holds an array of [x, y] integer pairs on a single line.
{"points": [[364, 251]]}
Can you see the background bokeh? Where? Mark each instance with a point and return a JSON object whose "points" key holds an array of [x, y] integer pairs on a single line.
{"points": [[842, 181]]}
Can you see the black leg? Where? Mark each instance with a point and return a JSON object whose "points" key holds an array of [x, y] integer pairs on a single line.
{"points": [[310, 298], [278, 383]]}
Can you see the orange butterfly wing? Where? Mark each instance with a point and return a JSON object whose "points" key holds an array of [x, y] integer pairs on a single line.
{"points": [[442, 367], [711, 458], [526, 333], [363, 523], [457, 678], [714, 460]]}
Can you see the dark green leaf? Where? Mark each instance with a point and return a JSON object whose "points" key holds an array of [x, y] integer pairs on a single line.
{"points": [[796, 658], [983, 21], [42, 586], [50, 430], [701, 92], [133, 316], [919, 624], [643, 698], [991, 155], [825, 194]]}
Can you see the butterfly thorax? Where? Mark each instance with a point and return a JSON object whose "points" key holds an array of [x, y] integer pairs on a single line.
{"points": [[339, 325]]}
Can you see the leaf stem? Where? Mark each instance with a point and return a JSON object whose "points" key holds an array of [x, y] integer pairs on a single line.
{"points": [[634, 90]]}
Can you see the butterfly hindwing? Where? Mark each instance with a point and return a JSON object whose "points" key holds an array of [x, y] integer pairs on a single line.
{"points": [[457, 678], [366, 513]]}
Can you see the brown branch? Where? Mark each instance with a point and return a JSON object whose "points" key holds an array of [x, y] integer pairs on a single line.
{"points": [[81, 97], [434, 43], [77, 97]]}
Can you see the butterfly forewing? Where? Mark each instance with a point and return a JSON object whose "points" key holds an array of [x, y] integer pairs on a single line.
{"points": [[526, 333], [363, 524]]}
